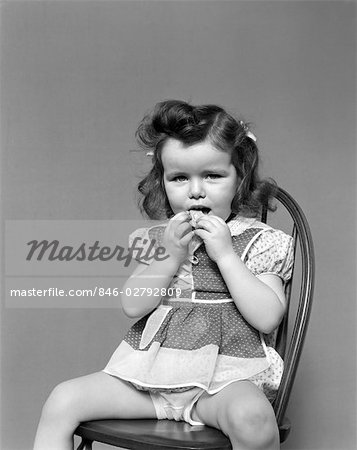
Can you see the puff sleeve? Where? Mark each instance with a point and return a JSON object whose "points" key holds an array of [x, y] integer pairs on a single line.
{"points": [[271, 253]]}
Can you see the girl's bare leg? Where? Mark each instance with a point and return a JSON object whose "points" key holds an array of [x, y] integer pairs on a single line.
{"points": [[95, 396], [243, 413]]}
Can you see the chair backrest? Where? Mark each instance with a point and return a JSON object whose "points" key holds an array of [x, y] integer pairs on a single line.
{"points": [[146, 434], [290, 347]]}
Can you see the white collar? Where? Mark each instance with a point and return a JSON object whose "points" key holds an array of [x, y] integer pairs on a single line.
{"points": [[240, 223]]}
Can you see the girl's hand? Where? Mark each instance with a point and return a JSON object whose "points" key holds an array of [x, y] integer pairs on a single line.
{"points": [[216, 235], [177, 236]]}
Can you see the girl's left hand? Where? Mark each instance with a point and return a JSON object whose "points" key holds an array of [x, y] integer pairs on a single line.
{"points": [[216, 235]]}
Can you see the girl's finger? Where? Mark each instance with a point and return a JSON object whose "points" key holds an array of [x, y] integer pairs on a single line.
{"points": [[204, 225], [187, 238], [180, 217], [182, 229], [213, 220], [203, 234], [181, 214], [207, 222]]}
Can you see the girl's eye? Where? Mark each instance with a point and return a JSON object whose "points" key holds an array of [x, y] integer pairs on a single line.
{"points": [[213, 175], [180, 178]]}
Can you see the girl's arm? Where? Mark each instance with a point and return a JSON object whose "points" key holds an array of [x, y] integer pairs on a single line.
{"points": [[158, 274], [261, 300], [149, 278]]}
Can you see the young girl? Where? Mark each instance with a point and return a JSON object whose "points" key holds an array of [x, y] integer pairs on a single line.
{"points": [[199, 352]]}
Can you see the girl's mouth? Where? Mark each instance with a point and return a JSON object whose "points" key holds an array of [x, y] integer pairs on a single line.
{"points": [[202, 209]]}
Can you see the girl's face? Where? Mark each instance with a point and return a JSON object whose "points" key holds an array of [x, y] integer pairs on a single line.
{"points": [[198, 176]]}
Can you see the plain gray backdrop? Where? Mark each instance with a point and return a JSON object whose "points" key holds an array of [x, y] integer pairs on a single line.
{"points": [[76, 78]]}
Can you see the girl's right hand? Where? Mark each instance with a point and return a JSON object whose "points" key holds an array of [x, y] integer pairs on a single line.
{"points": [[177, 236]]}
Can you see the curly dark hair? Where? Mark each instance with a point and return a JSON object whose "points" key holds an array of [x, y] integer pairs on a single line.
{"points": [[190, 125]]}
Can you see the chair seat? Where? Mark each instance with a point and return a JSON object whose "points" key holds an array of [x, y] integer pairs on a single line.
{"points": [[153, 435], [149, 434]]}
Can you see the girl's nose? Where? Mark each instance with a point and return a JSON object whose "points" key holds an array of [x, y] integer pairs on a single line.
{"points": [[196, 189]]}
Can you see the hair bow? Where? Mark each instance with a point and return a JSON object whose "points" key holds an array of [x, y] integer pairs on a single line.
{"points": [[248, 133]]}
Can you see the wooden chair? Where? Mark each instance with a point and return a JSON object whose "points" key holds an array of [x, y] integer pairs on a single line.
{"points": [[167, 435]]}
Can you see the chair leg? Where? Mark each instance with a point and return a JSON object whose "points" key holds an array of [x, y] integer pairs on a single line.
{"points": [[86, 444]]}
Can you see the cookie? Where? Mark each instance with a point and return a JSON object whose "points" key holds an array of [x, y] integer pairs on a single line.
{"points": [[195, 215]]}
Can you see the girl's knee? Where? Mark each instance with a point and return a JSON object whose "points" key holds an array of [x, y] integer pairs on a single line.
{"points": [[252, 423], [60, 403]]}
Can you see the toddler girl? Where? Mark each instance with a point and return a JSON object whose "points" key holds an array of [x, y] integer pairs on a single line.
{"points": [[199, 353]]}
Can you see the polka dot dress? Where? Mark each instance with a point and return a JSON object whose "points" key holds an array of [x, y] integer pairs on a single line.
{"points": [[200, 339]]}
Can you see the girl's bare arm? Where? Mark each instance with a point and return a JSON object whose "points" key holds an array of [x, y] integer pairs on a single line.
{"points": [[158, 274], [261, 300], [147, 279]]}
